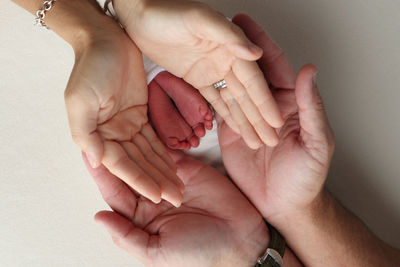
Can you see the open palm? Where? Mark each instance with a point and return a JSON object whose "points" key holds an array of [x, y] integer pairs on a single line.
{"points": [[215, 226], [106, 101], [198, 44], [286, 178]]}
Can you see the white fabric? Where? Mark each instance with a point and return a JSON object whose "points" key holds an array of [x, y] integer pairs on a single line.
{"points": [[151, 68], [208, 151]]}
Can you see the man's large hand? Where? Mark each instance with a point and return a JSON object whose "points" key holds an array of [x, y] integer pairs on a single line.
{"points": [[196, 43], [287, 178], [106, 101], [215, 226], [286, 183]]}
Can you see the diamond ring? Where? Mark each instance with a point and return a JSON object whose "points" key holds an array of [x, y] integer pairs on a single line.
{"points": [[220, 84]]}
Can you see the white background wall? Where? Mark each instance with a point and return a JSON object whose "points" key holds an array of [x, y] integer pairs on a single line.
{"points": [[47, 198]]}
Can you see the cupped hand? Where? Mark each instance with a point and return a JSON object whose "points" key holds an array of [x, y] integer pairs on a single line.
{"points": [[200, 45], [289, 177], [106, 100], [215, 226]]}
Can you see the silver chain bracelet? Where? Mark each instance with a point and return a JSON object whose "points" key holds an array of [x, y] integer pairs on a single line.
{"points": [[108, 9], [41, 13]]}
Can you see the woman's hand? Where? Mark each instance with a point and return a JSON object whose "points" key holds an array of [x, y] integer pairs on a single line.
{"points": [[106, 102], [106, 99], [196, 43]]}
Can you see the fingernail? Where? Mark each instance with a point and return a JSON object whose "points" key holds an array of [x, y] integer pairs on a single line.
{"points": [[177, 204], [254, 49], [99, 223], [257, 146], [157, 201], [315, 78], [91, 160], [275, 142]]}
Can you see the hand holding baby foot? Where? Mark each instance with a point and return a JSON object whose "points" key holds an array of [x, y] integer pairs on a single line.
{"points": [[106, 101], [201, 46], [181, 123]]}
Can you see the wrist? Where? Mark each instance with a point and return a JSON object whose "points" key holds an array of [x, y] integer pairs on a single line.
{"points": [[128, 9], [79, 22], [245, 250], [249, 250], [311, 213]]}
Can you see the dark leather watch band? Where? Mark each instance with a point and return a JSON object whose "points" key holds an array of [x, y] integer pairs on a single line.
{"points": [[276, 246], [269, 262]]}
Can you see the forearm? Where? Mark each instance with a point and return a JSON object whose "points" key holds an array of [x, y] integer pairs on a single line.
{"points": [[329, 235], [76, 21]]}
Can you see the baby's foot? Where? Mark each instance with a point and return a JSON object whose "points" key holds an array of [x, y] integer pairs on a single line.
{"points": [[189, 102], [169, 124], [178, 129]]}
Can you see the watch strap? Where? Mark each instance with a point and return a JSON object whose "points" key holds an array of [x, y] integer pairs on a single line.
{"points": [[274, 254]]}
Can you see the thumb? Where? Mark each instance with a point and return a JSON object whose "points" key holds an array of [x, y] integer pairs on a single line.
{"points": [[124, 234], [314, 124], [214, 26], [82, 116]]}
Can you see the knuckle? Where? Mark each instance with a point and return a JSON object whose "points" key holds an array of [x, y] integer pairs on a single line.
{"points": [[77, 138], [137, 179], [319, 104], [331, 141], [72, 99], [228, 101], [200, 10], [133, 150], [242, 124], [258, 123], [116, 192], [146, 149], [226, 96], [117, 241], [327, 143], [236, 30], [266, 99], [251, 80], [153, 141], [69, 94], [242, 98], [119, 161], [215, 102]]}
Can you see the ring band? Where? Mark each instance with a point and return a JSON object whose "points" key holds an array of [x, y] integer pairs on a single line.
{"points": [[220, 84]]}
